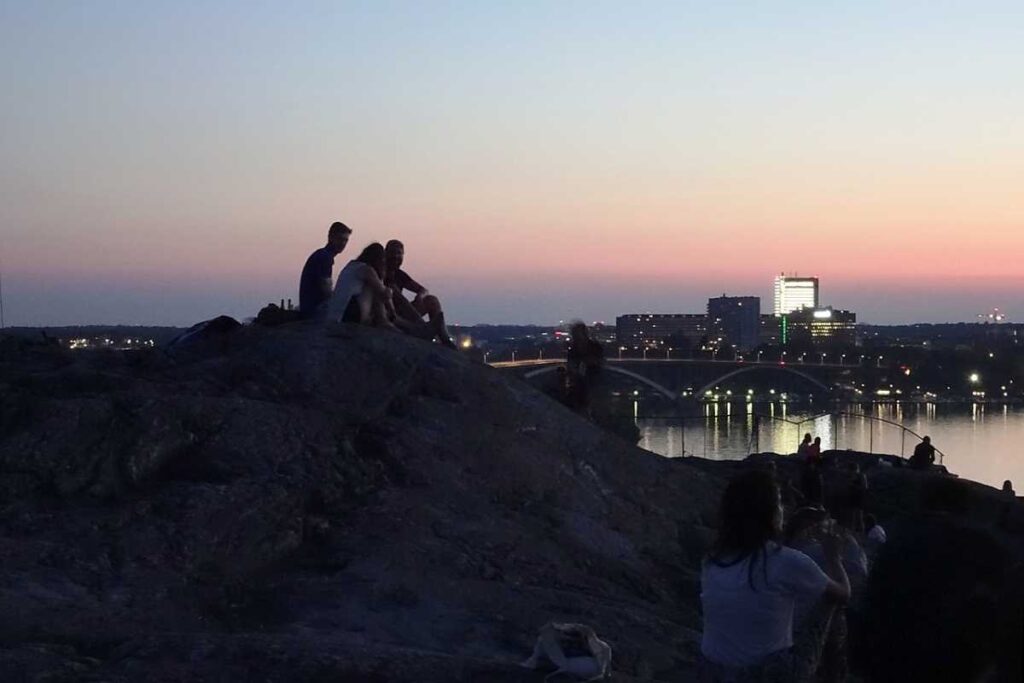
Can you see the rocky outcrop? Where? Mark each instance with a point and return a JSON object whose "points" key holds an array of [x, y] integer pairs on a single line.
{"points": [[309, 506], [285, 505]]}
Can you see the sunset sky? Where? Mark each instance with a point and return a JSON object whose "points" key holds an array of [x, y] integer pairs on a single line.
{"points": [[162, 163]]}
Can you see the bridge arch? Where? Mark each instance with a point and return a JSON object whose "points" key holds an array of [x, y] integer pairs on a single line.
{"points": [[729, 375], [664, 391]]}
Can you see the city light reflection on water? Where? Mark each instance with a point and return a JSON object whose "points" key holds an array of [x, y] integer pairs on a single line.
{"points": [[980, 442]]}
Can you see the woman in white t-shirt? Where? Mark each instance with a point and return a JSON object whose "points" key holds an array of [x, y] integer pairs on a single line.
{"points": [[360, 295], [749, 585]]}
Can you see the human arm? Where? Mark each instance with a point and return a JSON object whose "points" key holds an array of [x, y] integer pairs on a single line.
{"points": [[838, 587], [372, 280], [402, 282]]}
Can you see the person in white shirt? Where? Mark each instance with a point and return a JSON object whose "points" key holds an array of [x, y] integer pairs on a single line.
{"points": [[749, 586], [360, 295]]}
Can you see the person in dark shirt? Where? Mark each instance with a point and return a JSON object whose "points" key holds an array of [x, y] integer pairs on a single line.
{"points": [[409, 314], [315, 284], [924, 454], [584, 360]]}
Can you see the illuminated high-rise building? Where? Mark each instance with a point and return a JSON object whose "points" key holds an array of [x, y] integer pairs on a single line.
{"points": [[737, 319], [794, 293]]}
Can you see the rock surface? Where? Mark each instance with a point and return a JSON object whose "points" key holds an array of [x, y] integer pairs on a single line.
{"points": [[284, 505], [313, 507]]}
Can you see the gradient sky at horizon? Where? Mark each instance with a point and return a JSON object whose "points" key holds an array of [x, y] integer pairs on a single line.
{"points": [[166, 162]]}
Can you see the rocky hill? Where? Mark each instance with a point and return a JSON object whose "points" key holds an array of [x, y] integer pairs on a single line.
{"points": [[294, 506], [284, 505]]}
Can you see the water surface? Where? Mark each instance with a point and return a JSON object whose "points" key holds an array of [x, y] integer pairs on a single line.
{"points": [[980, 442]]}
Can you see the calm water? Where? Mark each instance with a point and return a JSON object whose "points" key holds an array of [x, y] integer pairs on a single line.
{"points": [[980, 442]]}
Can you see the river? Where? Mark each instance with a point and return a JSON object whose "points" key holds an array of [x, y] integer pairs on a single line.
{"points": [[980, 441]]}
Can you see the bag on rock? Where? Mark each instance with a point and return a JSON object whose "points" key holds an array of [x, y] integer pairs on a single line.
{"points": [[574, 649]]}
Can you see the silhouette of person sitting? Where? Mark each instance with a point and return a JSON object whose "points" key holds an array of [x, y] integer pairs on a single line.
{"points": [[409, 314], [749, 587], [360, 295], [315, 283], [924, 454]]}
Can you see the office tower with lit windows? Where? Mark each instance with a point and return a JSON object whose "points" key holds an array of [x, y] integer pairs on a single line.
{"points": [[793, 293], [737, 319]]}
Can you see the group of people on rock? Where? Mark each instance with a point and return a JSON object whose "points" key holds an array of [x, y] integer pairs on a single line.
{"points": [[369, 290], [777, 591]]}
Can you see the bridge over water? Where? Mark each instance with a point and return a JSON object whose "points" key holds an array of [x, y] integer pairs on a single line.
{"points": [[674, 378]]}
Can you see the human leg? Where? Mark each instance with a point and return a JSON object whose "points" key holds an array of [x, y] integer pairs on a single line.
{"points": [[430, 305]]}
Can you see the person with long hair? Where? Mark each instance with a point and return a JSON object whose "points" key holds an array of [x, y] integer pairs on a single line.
{"points": [[360, 295], [749, 586]]}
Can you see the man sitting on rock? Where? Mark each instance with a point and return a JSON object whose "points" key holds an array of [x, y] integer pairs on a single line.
{"points": [[315, 285], [409, 314]]}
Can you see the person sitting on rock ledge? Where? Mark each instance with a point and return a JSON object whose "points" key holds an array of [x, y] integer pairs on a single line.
{"points": [[315, 282], [749, 585], [924, 455], [408, 315], [360, 295]]}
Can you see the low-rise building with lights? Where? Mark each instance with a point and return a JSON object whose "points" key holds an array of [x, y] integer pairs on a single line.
{"points": [[819, 327], [654, 330]]}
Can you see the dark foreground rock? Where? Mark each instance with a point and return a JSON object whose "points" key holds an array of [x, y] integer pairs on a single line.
{"points": [[305, 507], [280, 505]]}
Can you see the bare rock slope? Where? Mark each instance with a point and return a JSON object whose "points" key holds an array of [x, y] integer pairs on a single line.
{"points": [[286, 505]]}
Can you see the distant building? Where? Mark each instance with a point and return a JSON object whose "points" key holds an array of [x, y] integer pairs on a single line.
{"points": [[819, 327], [606, 334], [649, 330], [736, 319], [769, 330], [794, 293]]}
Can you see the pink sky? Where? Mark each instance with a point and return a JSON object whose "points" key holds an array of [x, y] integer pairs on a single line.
{"points": [[539, 164]]}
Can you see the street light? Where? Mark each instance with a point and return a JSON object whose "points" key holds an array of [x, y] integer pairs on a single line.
{"points": [[842, 359], [823, 354], [645, 353], [513, 355], [667, 352], [879, 362], [759, 356], [621, 349], [974, 377]]}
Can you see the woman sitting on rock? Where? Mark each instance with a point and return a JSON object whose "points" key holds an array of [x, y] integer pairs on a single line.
{"points": [[360, 295], [749, 586]]}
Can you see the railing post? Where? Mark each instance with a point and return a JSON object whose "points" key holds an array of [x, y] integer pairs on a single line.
{"points": [[871, 437], [903, 440]]}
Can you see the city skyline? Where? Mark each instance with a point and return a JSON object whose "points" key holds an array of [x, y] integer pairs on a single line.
{"points": [[541, 162]]}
